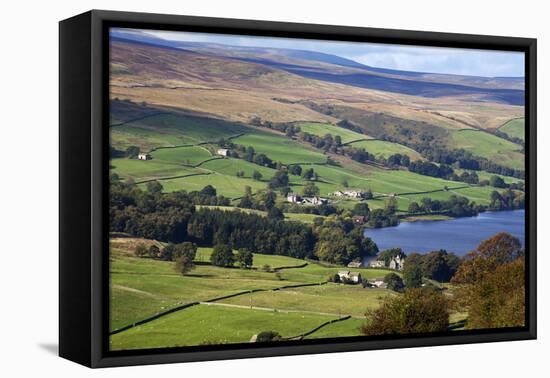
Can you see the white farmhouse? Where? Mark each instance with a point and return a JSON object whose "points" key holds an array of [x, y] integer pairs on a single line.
{"points": [[222, 151], [377, 264], [347, 276], [397, 263], [143, 156]]}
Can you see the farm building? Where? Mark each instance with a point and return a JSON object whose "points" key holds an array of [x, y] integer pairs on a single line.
{"points": [[377, 283], [294, 198], [351, 277], [348, 193], [377, 264], [222, 151], [144, 156], [355, 264], [397, 263]]}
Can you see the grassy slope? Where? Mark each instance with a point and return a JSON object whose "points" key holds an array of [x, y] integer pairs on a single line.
{"points": [[489, 146], [143, 287], [279, 148], [140, 170], [321, 129], [205, 324], [385, 149], [182, 155], [514, 128]]}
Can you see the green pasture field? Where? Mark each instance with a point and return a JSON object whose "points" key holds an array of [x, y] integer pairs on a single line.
{"points": [[146, 138], [514, 128], [489, 146], [230, 166], [333, 299], [182, 155], [322, 129], [228, 186], [200, 129], [299, 217], [385, 149], [142, 287], [279, 148], [346, 328], [170, 129], [214, 324], [140, 170]]}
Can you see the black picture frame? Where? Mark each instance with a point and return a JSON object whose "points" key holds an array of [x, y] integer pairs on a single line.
{"points": [[84, 163]]}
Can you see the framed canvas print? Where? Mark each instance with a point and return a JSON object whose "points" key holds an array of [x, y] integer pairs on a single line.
{"points": [[233, 188]]}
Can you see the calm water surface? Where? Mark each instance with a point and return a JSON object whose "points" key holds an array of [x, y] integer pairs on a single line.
{"points": [[459, 235]]}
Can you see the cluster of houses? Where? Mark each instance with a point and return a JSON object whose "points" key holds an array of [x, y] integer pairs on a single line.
{"points": [[396, 263], [349, 193], [311, 201], [349, 277]]}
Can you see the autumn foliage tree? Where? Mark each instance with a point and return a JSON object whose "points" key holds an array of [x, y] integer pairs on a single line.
{"points": [[491, 284], [418, 310]]}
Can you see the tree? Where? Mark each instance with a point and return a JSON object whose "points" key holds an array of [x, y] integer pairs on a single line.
{"points": [[394, 282], [222, 256], [497, 182], [275, 213], [390, 205], [310, 190], [295, 170], [153, 251], [309, 174], [267, 336], [368, 194], [154, 187], [141, 250], [414, 207], [257, 175], [416, 311], [361, 208], [439, 265], [208, 190], [186, 249], [491, 283], [279, 180], [166, 254], [412, 271], [132, 152], [245, 258], [184, 265]]}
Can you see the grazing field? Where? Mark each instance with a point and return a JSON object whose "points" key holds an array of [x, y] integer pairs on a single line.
{"points": [[335, 299], [514, 128], [182, 155], [146, 138], [142, 287], [231, 167], [322, 129], [139, 170], [169, 130], [213, 324], [279, 148], [228, 186], [385, 149], [489, 146]]}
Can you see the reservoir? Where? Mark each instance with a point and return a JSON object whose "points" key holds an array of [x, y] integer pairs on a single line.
{"points": [[459, 235]]}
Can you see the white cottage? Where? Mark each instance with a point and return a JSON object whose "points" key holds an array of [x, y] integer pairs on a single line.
{"points": [[222, 151]]}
